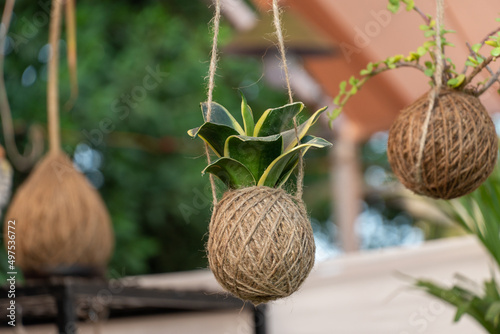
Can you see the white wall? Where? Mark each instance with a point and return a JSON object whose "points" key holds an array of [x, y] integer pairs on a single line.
{"points": [[363, 293], [355, 294]]}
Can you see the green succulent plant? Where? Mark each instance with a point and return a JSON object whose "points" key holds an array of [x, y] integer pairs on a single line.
{"points": [[262, 153]]}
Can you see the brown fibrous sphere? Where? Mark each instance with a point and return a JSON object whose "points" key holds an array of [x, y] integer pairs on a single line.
{"points": [[60, 220], [460, 148], [261, 244]]}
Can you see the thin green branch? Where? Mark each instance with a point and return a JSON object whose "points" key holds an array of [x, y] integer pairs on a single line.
{"points": [[472, 53], [490, 82], [477, 70], [362, 81], [422, 14]]}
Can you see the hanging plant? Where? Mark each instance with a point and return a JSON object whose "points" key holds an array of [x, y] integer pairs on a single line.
{"points": [[444, 145], [63, 224], [261, 244]]}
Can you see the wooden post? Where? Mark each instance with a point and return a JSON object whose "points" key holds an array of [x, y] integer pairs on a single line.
{"points": [[346, 187], [66, 309], [259, 317]]}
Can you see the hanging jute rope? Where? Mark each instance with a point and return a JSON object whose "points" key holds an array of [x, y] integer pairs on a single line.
{"points": [[434, 93], [211, 86], [71, 52], [261, 244], [444, 145], [25, 161], [284, 62], [63, 220]]}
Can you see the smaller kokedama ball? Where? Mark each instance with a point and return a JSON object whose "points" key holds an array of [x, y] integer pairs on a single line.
{"points": [[261, 244], [460, 151], [60, 220]]}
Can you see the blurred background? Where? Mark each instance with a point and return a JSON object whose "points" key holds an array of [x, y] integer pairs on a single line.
{"points": [[141, 74], [127, 133]]}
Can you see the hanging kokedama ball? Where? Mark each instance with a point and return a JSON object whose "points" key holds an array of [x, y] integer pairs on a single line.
{"points": [[460, 148], [61, 221], [261, 244]]}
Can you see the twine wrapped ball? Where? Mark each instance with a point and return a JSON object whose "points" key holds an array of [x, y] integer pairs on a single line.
{"points": [[261, 244], [460, 149], [61, 221]]}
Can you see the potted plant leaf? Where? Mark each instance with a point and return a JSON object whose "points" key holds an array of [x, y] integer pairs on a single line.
{"points": [[261, 245], [477, 213], [443, 145]]}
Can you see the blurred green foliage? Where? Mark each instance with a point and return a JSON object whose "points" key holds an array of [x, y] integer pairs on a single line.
{"points": [[478, 213], [159, 203]]}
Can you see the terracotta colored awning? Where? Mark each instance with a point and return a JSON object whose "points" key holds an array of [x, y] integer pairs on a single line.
{"points": [[301, 38], [366, 31]]}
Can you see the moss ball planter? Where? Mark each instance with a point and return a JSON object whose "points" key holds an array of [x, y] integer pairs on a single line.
{"points": [[64, 224], [445, 150], [460, 149], [261, 244]]}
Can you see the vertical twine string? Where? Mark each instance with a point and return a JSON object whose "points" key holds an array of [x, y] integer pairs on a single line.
{"points": [[211, 86], [53, 80], [71, 52], [433, 95], [281, 47]]}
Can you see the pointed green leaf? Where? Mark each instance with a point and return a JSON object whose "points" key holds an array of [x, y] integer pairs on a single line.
{"points": [[457, 81], [289, 137], [492, 43], [233, 173], [476, 47], [472, 59], [220, 115], [274, 121], [429, 33], [288, 170], [429, 72], [410, 4], [255, 153], [469, 63], [336, 100], [214, 135], [276, 170], [491, 289], [421, 51], [393, 6], [342, 86], [493, 311], [247, 115], [462, 308], [495, 52]]}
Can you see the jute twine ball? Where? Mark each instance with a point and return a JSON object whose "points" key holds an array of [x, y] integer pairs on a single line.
{"points": [[61, 221], [460, 149], [261, 244]]}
